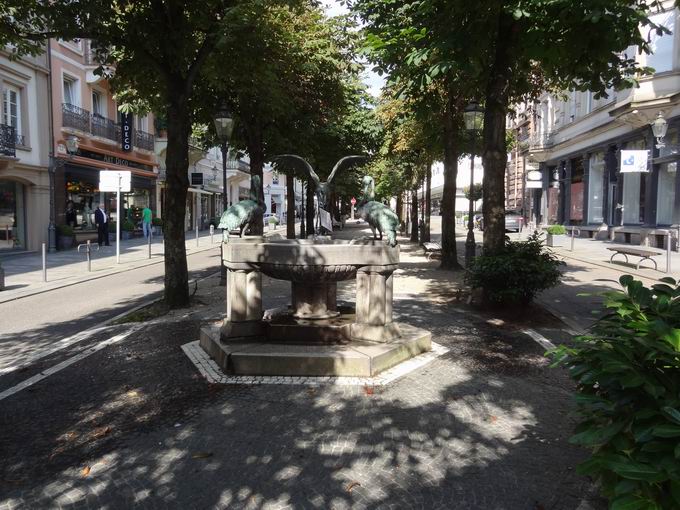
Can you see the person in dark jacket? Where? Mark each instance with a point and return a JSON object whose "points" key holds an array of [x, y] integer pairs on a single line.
{"points": [[102, 222]]}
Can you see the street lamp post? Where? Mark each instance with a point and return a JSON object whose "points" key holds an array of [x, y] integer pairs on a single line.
{"points": [[474, 117], [54, 164], [224, 126]]}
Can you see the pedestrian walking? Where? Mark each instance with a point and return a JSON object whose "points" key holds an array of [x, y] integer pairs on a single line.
{"points": [[102, 223], [146, 221]]}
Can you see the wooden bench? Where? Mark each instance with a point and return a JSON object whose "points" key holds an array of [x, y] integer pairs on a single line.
{"points": [[644, 254], [432, 250]]}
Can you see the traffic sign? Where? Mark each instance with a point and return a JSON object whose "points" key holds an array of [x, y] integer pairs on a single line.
{"points": [[110, 180], [353, 201]]}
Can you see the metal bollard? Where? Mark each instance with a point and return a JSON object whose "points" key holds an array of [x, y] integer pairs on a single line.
{"points": [[573, 231], [44, 262], [669, 242], [196, 235], [212, 231], [88, 252], [149, 243]]}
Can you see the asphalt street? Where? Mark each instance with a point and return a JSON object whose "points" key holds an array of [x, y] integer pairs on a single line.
{"points": [[34, 324]]}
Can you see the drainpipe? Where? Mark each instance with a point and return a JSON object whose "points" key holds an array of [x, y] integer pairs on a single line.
{"points": [[52, 163]]}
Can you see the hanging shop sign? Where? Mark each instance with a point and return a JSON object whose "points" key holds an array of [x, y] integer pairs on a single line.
{"points": [[196, 179], [534, 179], [114, 160], [634, 161], [126, 131]]}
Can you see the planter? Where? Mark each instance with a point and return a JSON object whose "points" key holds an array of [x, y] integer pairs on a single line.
{"points": [[125, 235], [554, 241], [2, 279], [66, 242]]}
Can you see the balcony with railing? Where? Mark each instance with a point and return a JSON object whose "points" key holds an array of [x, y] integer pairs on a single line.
{"points": [[97, 125], [75, 117], [8, 141]]}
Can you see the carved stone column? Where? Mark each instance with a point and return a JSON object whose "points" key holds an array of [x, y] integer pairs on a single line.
{"points": [[244, 304], [374, 304]]}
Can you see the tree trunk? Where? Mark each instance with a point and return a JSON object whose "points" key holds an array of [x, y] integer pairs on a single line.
{"points": [[494, 153], [290, 206], [448, 206], [255, 148], [176, 293], [310, 209], [414, 215], [400, 209], [303, 212], [428, 203]]}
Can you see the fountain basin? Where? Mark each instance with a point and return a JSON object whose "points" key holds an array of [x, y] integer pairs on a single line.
{"points": [[313, 266]]}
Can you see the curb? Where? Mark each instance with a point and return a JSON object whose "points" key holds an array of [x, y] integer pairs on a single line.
{"points": [[121, 269]]}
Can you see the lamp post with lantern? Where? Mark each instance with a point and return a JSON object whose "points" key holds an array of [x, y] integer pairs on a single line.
{"points": [[474, 120], [659, 128], [54, 164], [224, 126]]}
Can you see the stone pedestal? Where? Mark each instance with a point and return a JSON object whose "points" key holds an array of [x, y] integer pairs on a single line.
{"points": [[374, 304], [314, 300], [244, 304]]}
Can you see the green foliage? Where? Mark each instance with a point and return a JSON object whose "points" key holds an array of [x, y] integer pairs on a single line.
{"points": [[517, 273], [556, 230], [158, 222], [476, 192], [127, 226], [628, 375], [65, 230]]}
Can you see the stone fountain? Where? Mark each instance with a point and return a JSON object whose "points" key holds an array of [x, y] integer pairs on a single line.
{"points": [[313, 336]]}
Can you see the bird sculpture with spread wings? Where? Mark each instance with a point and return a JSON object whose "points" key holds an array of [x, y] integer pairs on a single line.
{"points": [[322, 189]]}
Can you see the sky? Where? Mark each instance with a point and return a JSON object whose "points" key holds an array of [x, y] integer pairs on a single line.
{"points": [[372, 79]]}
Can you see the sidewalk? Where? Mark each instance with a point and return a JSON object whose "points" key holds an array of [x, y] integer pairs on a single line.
{"points": [[24, 277]]}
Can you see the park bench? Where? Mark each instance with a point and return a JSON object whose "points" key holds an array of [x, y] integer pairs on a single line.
{"points": [[432, 250], [643, 253]]}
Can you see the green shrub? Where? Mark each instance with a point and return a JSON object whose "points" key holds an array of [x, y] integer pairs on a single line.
{"points": [[556, 230], [112, 227], [517, 274], [628, 376], [127, 226], [65, 230], [157, 222], [274, 220]]}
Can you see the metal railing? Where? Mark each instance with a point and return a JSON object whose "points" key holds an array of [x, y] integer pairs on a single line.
{"points": [[98, 125], [143, 140], [8, 140], [75, 117], [541, 141]]}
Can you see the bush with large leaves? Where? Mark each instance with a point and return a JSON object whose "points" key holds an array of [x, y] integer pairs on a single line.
{"points": [[628, 375], [516, 274]]}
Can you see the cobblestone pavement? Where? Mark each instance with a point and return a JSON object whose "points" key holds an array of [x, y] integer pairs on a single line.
{"points": [[484, 426]]}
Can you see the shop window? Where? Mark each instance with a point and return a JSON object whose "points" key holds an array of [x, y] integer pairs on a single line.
{"points": [[634, 186], [12, 224], [596, 188], [576, 190], [666, 193], [661, 57], [82, 199]]}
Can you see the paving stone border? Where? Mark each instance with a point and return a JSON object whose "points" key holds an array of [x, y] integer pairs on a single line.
{"points": [[213, 373]]}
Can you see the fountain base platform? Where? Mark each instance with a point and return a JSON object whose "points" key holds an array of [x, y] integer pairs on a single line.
{"points": [[289, 357]]}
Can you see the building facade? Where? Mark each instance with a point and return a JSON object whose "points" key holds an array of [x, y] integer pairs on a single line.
{"points": [[575, 140], [83, 107], [24, 148]]}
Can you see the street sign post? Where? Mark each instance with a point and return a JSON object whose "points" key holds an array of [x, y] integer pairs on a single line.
{"points": [[353, 202], [116, 181]]}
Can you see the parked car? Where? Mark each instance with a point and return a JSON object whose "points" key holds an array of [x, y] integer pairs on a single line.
{"points": [[513, 221]]}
